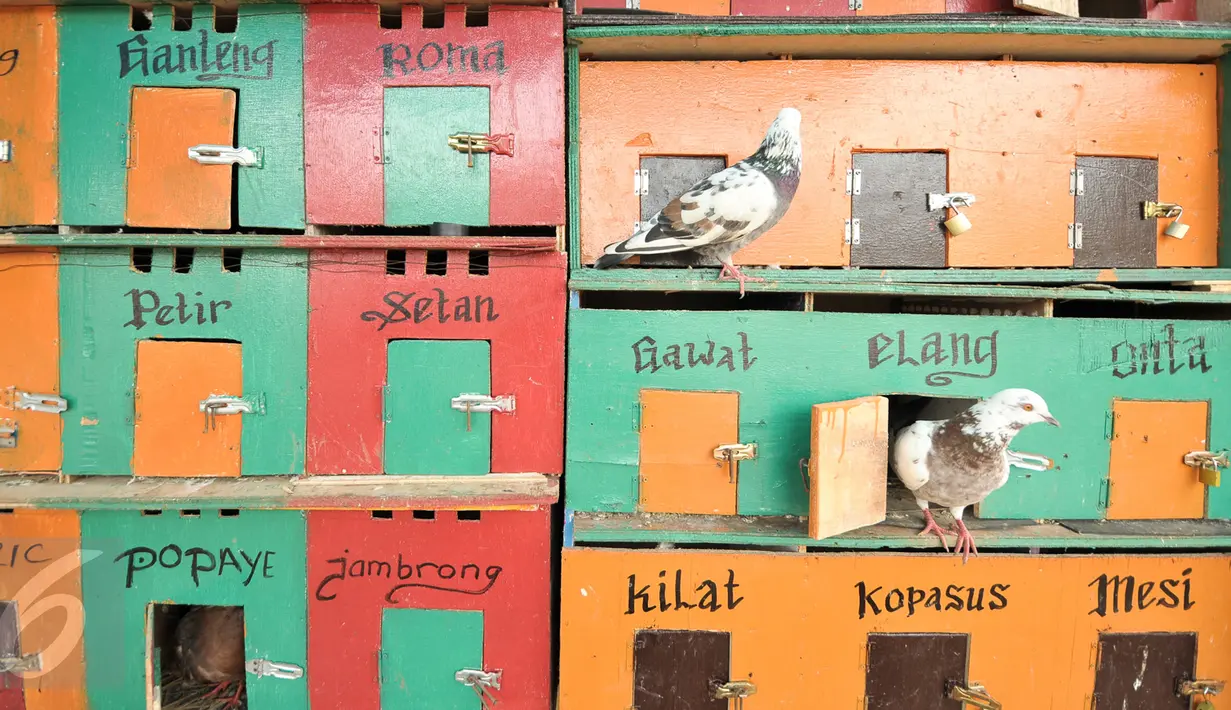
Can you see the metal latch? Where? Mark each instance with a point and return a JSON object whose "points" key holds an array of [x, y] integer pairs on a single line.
{"points": [[1209, 465], [218, 404], [1032, 462], [261, 668], [736, 689], [471, 143], [854, 177], [6, 151], [937, 201], [974, 695], [641, 182], [1166, 210], [49, 403], [24, 664], [225, 155], [1077, 181], [735, 452], [505, 404], [482, 682], [8, 434], [852, 231], [1189, 688], [1075, 236]]}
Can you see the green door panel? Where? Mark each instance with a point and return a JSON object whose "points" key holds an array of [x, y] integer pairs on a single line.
{"points": [[426, 181], [420, 652], [423, 434]]}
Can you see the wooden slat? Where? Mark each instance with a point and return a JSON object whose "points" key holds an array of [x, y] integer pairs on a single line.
{"points": [[504, 491]]}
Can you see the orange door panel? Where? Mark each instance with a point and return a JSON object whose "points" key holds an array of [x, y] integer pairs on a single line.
{"points": [[679, 432], [849, 465], [28, 57], [166, 188], [30, 356], [1148, 477], [171, 437]]}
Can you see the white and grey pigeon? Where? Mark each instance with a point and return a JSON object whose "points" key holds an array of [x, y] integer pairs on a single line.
{"points": [[957, 462], [728, 210]]}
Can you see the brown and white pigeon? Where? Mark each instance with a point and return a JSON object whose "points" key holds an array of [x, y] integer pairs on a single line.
{"points": [[728, 210], [210, 645], [957, 462]]}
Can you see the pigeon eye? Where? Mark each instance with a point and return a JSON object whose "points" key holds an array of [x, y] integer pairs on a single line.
{"points": [[1028, 407]]}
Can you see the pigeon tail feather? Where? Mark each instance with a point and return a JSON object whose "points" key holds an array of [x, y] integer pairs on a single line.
{"points": [[608, 260]]}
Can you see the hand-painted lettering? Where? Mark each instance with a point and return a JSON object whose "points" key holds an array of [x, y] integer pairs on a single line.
{"points": [[453, 58], [911, 599], [1124, 594], [8, 61], [1159, 356], [709, 600], [465, 578], [963, 352], [197, 560], [690, 355], [436, 306], [224, 60], [20, 554], [144, 302]]}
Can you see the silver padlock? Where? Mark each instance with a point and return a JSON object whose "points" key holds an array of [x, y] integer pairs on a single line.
{"points": [[1176, 229]]}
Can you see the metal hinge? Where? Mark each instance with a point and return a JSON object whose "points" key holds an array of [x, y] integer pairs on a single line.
{"points": [[735, 689], [632, 4], [14, 398], [219, 404], [974, 695], [1105, 493], [1075, 236], [854, 4], [1209, 465], [1077, 182], [735, 452], [8, 434], [854, 180], [1031, 462], [24, 664], [262, 668], [226, 155], [471, 143], [6, 151], [641, 182], [852, 231], [482, 682]]}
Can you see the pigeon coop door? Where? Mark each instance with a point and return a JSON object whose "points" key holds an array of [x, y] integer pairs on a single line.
{"points": [[177, 430], [166, 187], [691, 452], [891, 225], [210, 648], [421, 652], [915, 670], [1144, 670], [1109, 226], [847, 471], [1148, 479], [29, 436], [426, 180], [679, 669], [662, 179], [427, 429]]}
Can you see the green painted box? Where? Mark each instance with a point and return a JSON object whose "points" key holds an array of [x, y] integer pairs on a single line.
{"points": [[651, 394], [183, 362], [153, 566], [138, 91]]}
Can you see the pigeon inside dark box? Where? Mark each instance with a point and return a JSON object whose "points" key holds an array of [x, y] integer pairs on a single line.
{"points": [[197, 657]]}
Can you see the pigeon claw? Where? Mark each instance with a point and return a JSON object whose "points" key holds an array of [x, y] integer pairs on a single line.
{"points": [[932, 527], [735, 273], [965, 542]]}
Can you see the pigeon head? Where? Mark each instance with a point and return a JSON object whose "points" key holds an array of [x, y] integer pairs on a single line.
{"points": [[780, 150], [1015, 409]]}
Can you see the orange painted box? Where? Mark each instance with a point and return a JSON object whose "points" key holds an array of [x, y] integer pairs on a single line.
{"points": [[889, 630], [42, 616], [29, 45], [925, 164], [30, 424]]}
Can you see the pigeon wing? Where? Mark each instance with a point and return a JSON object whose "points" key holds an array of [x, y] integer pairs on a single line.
{"points": [[910, 454], [721, 208]]}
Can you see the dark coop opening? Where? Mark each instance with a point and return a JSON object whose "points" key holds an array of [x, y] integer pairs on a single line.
{"points": [[382, 515], [479, 263], [228, 513], [904, 410], [433, 19], [226, 19], [181, 18], [197, 657], [391, 17], [1116, 9], [424, 515], [182, 260], [141, 19], [142, 259], [190, 513], [476, 16], [687, 301], [437, 263], [469, 515], [395, 262], [232, 260]]}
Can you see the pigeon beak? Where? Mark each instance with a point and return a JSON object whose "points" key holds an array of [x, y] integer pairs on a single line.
{"points": [[1051, 420]]}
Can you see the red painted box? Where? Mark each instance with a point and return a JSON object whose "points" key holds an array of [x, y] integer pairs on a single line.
{"points": [[400, 343], [382, 105], [400, 602]]}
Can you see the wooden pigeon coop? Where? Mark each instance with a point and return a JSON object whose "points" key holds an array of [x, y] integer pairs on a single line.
{"points": [[28, 62]]}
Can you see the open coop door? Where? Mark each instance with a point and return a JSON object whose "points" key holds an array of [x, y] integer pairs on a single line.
{"points": [[848, 468]]}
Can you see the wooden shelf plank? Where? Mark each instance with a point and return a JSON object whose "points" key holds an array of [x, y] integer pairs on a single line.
{"points": [[285, 241], [330, 492]]}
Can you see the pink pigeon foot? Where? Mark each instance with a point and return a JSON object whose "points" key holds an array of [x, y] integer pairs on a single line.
{"points": [[217, 689], [233, 702], [965, 542], [932, 527], [735, 273]]}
